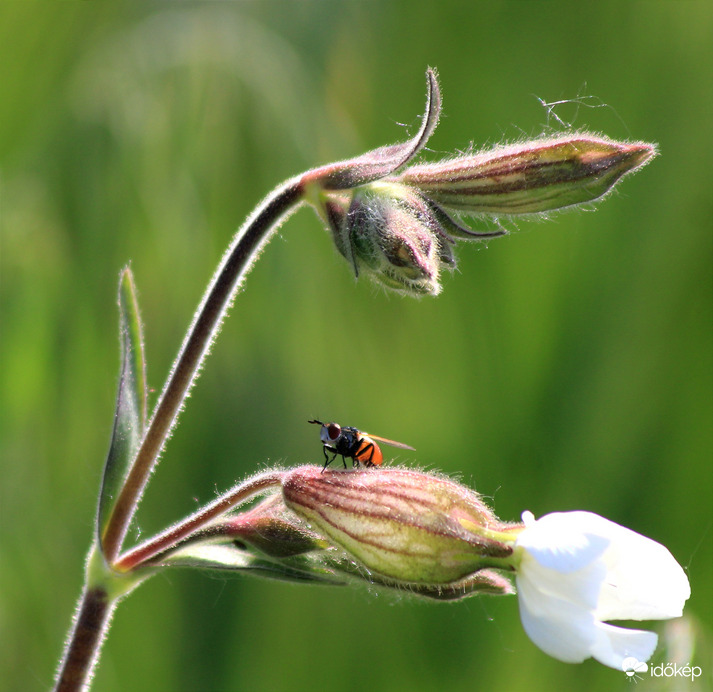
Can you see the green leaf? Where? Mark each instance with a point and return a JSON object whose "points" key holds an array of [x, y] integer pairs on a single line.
{"points": [[130, 413], [230, 557]]}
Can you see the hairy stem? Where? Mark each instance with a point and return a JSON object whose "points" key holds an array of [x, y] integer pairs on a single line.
{"points": [[169, 539], [82, 652], [207, 320]]}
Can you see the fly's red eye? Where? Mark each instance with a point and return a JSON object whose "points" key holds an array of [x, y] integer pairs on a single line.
{"points": [[334, 431]]}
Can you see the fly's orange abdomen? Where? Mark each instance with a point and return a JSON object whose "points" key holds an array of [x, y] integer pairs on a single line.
{"points": [[369, 453]]}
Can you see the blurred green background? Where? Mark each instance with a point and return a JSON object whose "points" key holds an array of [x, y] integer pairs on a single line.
{"points": [[567, 366]]}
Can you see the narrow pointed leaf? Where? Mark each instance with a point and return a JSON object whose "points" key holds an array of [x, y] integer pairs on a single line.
{"points": [[230, 557], [457, 230], [130, 413], [383, 161]]}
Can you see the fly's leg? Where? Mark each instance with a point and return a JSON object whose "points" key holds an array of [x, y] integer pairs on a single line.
{"points": [[327, 460]]}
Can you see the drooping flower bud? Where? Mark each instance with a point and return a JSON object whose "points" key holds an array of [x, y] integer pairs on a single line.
{"points": [[396, 236], [396, 228], [404, 526], [531, 177], [390, 233]]}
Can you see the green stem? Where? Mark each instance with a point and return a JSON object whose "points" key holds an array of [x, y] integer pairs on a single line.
{"points": [[237, 262]]}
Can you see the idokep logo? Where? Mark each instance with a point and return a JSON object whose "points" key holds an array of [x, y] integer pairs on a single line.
{"points": [[635, 670], [675, 670]]}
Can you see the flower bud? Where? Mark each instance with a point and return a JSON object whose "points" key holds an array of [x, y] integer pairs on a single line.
{"points": [[403, 526], [395, 237], [394, 226], [484, 582], [272, 529], [267, 540], [528, 178]]}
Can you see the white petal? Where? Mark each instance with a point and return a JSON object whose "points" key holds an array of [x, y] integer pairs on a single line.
{"points": [[528, 518], [560, 628], [614, 644], [581, 587], [571, 633], [562, 542], [644, 581], [577, 570]]}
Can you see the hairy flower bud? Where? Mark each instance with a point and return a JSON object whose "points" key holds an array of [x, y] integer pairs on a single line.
{"points": [[394, 226], [272, 529], [485, 581], [404, 526], [531, 177], [394, 236]]}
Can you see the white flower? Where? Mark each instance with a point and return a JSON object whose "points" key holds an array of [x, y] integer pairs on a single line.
{"points": [[578, 570]]}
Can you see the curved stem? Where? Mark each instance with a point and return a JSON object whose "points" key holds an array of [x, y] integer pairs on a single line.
{"points": [[237, 261], [171, 536]]}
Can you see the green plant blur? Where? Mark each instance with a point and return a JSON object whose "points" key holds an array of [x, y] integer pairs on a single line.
{"points": [[566, 366]]}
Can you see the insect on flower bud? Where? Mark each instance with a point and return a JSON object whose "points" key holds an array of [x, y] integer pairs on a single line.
{"points": [[404, 526]]}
